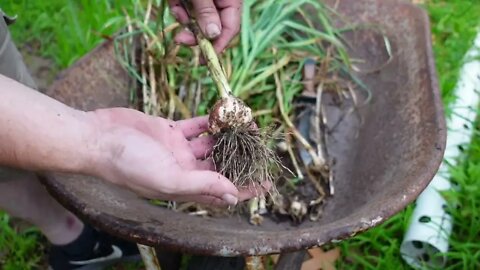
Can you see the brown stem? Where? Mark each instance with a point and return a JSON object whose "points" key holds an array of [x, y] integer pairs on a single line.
{"points": [[149, 257], [308, 147], [293, 158]]}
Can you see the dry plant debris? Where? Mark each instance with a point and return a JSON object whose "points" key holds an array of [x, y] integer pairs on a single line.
{"points": [[263, 69]]}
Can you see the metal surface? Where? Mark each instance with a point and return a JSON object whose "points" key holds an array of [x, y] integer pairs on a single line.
{"points": [[381, 165]]}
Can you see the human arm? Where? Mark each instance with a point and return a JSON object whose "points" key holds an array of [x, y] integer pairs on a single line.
{"points": [[155, 157]]}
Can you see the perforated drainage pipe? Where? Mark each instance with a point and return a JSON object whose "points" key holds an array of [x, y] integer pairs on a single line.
{"points": [[426, 240]]}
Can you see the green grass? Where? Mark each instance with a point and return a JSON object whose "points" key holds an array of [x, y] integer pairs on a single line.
{"points": [[454, 26], [65, 30], [18, 250]]}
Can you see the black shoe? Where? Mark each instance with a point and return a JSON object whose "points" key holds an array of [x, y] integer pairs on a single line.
{"points": [[92, 250]]}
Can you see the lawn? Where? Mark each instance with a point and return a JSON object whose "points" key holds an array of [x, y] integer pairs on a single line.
{"points": [[64, 30]]}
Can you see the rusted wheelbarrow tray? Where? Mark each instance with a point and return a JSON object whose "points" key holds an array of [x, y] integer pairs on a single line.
{"points": [[382, 164]]}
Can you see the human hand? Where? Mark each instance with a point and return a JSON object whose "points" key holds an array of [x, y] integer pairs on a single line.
{"points": [[161, 159], [219, 20], [155, 157]]}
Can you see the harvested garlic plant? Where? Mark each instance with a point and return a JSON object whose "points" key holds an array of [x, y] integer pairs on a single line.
{"points": [[241, 152]]}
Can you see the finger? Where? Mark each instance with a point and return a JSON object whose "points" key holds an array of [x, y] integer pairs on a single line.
{"points": [[205, 165], [206, 183], [245, 194], [207, 16], [185, 37], [253, 191], [203, 199], [267, 185], [230, 15], [203, 146], [178, 11], [194, 126]]}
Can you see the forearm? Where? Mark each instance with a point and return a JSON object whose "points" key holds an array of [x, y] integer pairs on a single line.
{"points": [[39, 133]]}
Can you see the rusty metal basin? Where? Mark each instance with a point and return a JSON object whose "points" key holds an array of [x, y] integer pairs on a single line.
{"points": [[382, 164]]}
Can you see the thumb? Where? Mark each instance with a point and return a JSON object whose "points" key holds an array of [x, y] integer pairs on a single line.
{"points": [[208, 18], [208, 183]]}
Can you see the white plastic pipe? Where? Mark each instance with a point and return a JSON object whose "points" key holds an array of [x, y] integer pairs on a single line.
{"points": [[426, 240]]}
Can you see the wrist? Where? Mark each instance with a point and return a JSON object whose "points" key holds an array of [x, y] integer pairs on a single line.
{"points": [[41, 134], [96, 159]]}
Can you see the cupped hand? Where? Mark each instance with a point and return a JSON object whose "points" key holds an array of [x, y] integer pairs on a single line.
{"points": [[161, 159], [219, 20]]}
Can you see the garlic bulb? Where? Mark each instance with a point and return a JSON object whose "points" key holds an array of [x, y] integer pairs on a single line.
{"points": [[229, 112]]}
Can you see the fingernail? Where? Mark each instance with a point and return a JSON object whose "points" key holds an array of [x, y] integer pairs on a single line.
{"points": [[230, 199], [212, 30]]}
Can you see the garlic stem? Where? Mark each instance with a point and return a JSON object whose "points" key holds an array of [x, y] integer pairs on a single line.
{"points": [[215, 68], [213, 63]]}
